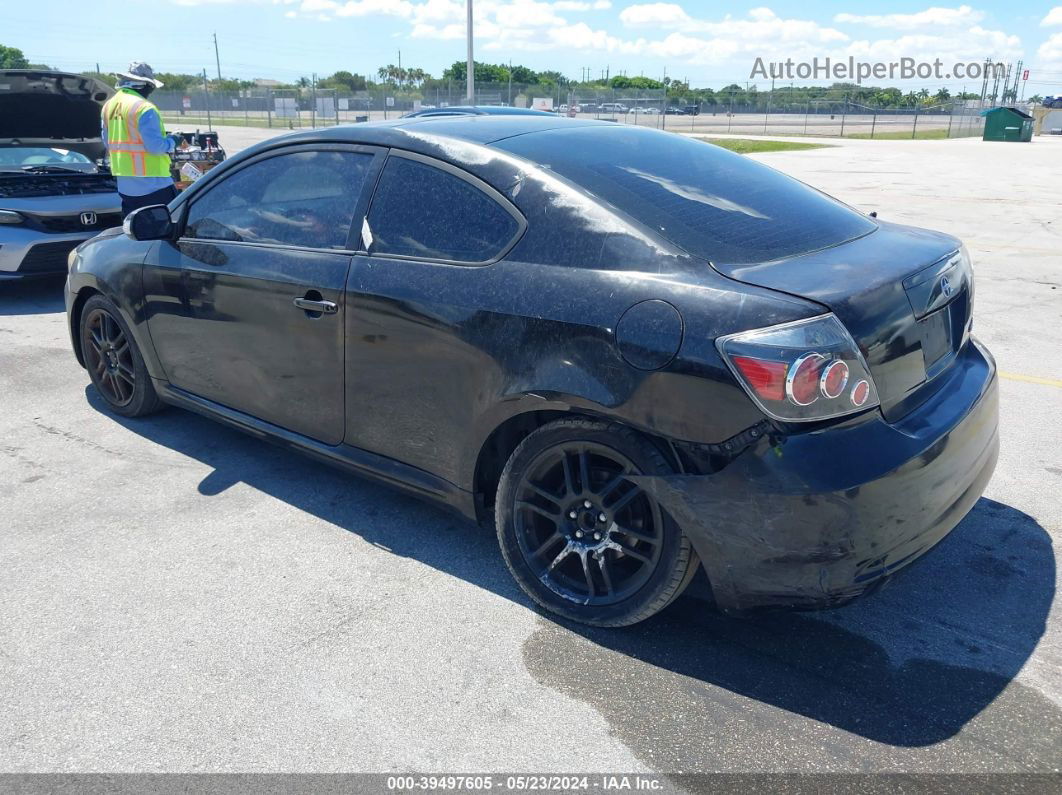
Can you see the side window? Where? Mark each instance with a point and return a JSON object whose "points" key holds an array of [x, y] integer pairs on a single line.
{"points": [[303, 198], [422, 211]]}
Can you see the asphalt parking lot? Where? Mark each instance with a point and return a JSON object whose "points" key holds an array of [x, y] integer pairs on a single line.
{"points": [[175, 596]]}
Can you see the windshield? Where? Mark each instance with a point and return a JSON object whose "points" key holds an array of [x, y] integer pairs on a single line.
{"points": [[715, 204], [18, 158]]}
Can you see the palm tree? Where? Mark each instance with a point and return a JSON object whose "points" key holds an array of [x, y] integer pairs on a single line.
{"points": [[391, 73]]}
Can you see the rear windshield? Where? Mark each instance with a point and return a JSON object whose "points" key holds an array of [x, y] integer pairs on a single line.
{"points": [[713, 203]]}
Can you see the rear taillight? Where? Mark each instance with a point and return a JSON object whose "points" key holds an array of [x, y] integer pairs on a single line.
{"points": [[802, 371]]}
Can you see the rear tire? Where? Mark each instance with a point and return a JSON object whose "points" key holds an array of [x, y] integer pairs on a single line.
{"points": [[579, 538], [113, 360]]}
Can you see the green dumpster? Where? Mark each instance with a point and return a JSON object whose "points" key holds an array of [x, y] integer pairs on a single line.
{"points": [[1007, 124]]}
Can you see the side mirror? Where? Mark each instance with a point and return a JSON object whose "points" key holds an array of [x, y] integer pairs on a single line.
{"points": [[149, 223]]}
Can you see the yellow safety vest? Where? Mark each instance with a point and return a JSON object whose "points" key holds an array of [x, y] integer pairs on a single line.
{"points": [[129, 158]]}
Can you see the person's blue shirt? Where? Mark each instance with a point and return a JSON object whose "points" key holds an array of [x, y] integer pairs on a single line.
{"points": [[157, 144]]}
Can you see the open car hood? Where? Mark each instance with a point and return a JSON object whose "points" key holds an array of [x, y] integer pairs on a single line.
{"points": [[52, 109]]}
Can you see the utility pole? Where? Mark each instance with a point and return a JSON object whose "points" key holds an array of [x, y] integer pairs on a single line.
{"points": [[206, 98], [217, 59], [470, 77]]}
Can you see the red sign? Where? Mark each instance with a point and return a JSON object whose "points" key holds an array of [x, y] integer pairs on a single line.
{"points": [[1025, 75]]}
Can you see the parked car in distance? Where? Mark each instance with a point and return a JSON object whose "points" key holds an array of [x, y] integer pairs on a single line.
{"points": [[632, 352], [613, 107], [54, 193], [675, 110]]}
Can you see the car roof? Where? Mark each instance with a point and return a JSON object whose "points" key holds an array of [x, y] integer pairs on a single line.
{"points": [[410, 132], [476, 110]]}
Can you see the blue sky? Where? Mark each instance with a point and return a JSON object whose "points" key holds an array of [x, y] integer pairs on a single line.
{"points": [[711, 44]]}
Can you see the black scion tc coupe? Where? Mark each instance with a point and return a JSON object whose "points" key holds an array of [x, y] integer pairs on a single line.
{"points": [[638, 353]]}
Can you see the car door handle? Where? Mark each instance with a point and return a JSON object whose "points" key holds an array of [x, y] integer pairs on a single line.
{"points": [[309, 305]]}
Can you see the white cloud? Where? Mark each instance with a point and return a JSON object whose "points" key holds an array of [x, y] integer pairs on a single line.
{"points": [[527, 13], [922, 20], [514, 24], [434, 18], [950, 34], [581, 35], [323, 10], [759, 32], [673, 34], [1050, 52], [664, 15], [582, 5], [1054, 17], [365, 8], [434, 11], [220, 2], [973, 44]]}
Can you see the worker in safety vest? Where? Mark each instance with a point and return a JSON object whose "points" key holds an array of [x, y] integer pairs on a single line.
{"points": [[136, 141]]}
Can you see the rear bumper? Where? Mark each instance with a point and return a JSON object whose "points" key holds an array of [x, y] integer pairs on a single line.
{"points": [[817, 519]]}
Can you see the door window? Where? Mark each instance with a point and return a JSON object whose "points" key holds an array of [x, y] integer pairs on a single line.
{"points": [[305, 199], [426, 212]]}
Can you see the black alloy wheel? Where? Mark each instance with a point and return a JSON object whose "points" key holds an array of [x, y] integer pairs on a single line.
{"points": [[580, 536], [109, 357], [113, 361], [588, 533]]}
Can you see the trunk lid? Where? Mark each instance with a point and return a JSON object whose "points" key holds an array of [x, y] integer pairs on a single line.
{"points": [[904, 294], [51, 109]]}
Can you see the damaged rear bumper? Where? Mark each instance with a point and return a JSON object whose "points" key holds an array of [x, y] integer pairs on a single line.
{"points": [[819, 518]]}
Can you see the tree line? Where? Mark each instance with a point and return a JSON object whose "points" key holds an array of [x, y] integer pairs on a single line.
{"points": [[416, 83]]}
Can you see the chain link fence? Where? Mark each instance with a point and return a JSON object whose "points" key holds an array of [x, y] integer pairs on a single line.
{"points": [[966, 118], [780, 112]]}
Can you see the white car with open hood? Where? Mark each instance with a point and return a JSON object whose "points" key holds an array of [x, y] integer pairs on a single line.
{"points": [[54, 191]]}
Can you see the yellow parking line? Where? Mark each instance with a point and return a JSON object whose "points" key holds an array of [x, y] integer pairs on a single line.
{"points": [[1031, 379]]}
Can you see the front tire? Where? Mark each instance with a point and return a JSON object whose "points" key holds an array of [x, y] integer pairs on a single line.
{"points": [[114, 363], [581, 539]]}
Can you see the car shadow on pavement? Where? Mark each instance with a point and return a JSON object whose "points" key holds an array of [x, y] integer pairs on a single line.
{"points": [[909, 666], [32, 297]]}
